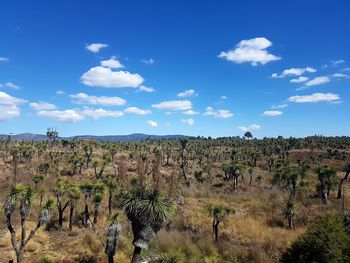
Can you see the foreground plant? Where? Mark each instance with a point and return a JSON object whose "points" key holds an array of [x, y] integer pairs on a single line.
{"points": [[21, 196], [112, 237], [218, 212], [148, 210]]}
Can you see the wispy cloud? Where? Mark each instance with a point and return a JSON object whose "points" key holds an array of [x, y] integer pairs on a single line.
{"points": [[42, 105], [149, 61], [272, 113], [152, 124], [3, 59], [145, 89], [83, 98], [137, 111], [317, 81], [222, 114], [62, 116], [293, 72], [187, 93], [101, 113], [10, 85], [188, 121], [252, 127], [316, 97], [180, 105]]}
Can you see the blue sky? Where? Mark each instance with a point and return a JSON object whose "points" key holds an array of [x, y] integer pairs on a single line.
{"points": [[215, 68]]}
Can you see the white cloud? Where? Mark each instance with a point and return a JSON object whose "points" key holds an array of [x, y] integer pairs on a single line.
{"points": [[8, 112], [10, 85], [252, 51], [253, 127], [95, 47], [299, 80], [146, 89], [222, 114], [316, 97], [107, 78], [152, 124], [272, 113], [6, 99], [137, 111], [149, 61], [294, 72], [336, 63], [187, 93], [340, 75], [224, 97], [83, 98], [60, 92], [62, 116], [113, 62], [101, 113], [3, 59], [174, 105], [346, 69], [42, 105], [317, 81], [190, 112], [281, 106], [188, 121]]}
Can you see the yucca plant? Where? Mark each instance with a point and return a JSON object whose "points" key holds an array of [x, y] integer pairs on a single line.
{"points": [[218, 212], [21, 196], [148, 211], [113, 233]]}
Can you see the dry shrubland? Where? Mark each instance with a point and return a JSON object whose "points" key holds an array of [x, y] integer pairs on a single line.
{"points": [[257, 230]]}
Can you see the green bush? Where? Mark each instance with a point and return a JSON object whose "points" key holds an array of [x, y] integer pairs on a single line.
{"points": [[324, 242]]}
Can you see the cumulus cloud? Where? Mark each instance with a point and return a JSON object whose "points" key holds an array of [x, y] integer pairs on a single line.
{"points": [[83, 98], [340, 75], [317, 81], [8, 112], [252, 127], [316, 97], [137, 111], [272, 113], [222, 114], [152, 124], [113, 62], [299, 80], [252, 51], [145, 89], [62, 116], [6, 99], [10, 85], [42, 105], [188, 121], [95, 47], [101, 113], [190, 112], [187, 93], [174, 105], [107, 78], [149, 61], [9, 106], [3, 59], [293, 72]]}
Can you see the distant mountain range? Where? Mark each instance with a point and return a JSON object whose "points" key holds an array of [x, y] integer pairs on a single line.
{"points": [[110, 138]]}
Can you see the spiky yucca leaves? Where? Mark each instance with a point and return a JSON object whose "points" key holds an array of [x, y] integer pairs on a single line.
{"points": [[113, 232], [289, 212], [148, 210]]}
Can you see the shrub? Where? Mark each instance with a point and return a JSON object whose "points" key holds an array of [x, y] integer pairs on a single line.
{"points": [[325, 241]]}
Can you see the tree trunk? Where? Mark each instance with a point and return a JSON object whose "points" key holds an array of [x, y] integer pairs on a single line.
{"points": [[19, 255], [216, 230], [325, 198], [340, 187], [86, 212], [110, 259], [60, 219], [251, 179], [137, 255], [71, 217], [290, 222], [110, 202]]}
